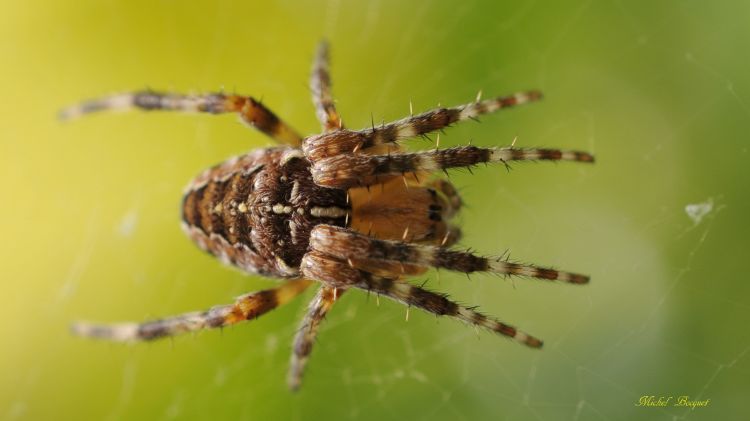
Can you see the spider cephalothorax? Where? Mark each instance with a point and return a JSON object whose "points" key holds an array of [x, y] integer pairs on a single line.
{"points": [[344, 208]]}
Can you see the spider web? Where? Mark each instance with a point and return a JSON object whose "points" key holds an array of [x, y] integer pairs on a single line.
{"points": [[654, 91]]}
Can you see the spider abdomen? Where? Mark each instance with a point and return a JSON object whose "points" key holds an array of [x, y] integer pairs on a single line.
{"points": [[256, 211]]}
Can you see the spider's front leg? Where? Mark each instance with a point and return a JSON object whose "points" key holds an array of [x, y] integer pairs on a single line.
{"points": [[347, 141], [246, 307], [364, 252], [339, 274], [250, 110], [354, 170], [320, 85]]}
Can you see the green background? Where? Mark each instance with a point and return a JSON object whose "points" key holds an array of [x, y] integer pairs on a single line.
{"points": [[659, 91]]}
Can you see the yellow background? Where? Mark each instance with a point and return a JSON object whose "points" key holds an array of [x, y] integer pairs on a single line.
{"points": [[659, 91]]}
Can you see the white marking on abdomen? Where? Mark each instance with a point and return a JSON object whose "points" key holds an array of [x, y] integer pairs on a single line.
{"points": [[329, 212], [295, 190], [281, 209], [291, 154]]}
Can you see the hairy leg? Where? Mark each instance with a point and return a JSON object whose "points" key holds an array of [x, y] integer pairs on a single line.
{"points": [[354, 170], [320, 85], [250, 111], [402, 269], [308, 331], [335, 272], [246, 307], [353, 247], [347, 141]]}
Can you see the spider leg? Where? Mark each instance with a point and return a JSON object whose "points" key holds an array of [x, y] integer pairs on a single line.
{"points": [[320, 85], [308, 331], [350, 246], [353, 170], [347, 141], [250, 111], [246, 307], [445, 236], [335, 272]]}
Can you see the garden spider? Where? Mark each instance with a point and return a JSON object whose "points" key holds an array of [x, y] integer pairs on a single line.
{"points": [[308, 212]]}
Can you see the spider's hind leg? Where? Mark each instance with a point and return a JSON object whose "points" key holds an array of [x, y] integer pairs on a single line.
{"points": [[251, 111], [246, 307], [338, 273]]}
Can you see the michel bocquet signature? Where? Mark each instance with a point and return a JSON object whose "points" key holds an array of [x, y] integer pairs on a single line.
{"points": [[663, 401]]}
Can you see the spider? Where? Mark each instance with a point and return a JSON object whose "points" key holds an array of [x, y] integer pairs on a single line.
{"points": [[345, 209]]}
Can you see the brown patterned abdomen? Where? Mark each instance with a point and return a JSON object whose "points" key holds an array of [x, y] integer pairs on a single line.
{"points": [[256, 211]]}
